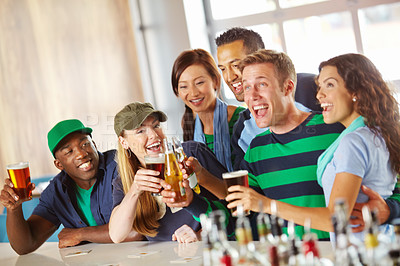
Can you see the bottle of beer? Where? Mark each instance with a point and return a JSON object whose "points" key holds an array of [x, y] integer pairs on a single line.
{"points": [[279, 239], [206, 238], [172, 172], [296, 258], [264, 231], [345, 252], [378, 246], [247, 251], [310, 249], [182, 158], [222, 252]]}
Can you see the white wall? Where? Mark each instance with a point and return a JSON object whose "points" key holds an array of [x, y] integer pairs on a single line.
{"points": [[160, 30]]}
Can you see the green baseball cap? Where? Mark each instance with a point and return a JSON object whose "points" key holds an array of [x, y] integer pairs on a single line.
{"points": [[62, 129], [133, 115]]}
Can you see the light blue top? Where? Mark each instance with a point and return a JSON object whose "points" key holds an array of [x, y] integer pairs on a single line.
{"points": [[363, 154]]}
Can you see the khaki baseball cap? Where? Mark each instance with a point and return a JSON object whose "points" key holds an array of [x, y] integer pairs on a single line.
{"points": [[133, 115]]}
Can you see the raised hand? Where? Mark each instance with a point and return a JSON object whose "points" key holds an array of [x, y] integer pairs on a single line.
{"points": [[146, 180], [169, 196], [8, 197]]}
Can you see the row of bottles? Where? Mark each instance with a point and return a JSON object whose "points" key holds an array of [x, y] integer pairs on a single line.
{"points": [[377, 249], [275, 248], [174, 155]]}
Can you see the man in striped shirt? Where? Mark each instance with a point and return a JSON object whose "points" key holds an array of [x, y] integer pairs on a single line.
{"points": [[282, 161]]}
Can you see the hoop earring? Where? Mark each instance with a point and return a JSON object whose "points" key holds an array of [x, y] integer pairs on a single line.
{"points": [[128, 153]]}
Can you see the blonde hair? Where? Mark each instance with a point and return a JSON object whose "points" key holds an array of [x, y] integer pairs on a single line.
{"points": [[145, 220]]}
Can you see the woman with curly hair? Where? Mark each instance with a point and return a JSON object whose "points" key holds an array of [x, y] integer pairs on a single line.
{"points": [[353, 93], [207, 119]]}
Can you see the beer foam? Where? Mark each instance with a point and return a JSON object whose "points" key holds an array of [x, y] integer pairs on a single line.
{"points": [[155, 159], [17, 166], [234, 174]]}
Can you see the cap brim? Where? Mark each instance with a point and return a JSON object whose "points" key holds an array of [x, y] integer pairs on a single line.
{"points": [[86, 130], [162, 117]]}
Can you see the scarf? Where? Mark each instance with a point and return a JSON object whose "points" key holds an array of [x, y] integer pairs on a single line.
{"points": [[222, 143], [327, 155]]}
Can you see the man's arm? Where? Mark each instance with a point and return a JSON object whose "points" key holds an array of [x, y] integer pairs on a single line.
{"points": [[212, 183], [388, 209], [393, 202], [25, 236], [97, 234]]}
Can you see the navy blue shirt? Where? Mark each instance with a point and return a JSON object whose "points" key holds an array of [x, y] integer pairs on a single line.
{"points": [[207, 159], [58, 203]]}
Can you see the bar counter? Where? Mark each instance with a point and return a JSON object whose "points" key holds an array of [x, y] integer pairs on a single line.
{"points": [[130, 253]]}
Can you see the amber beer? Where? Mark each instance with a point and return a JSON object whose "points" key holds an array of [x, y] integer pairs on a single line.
{"points": [[21, 179], [156, 162], [236, 178], [173, 174]]}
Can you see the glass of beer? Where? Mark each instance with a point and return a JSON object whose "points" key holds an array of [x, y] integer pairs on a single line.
{"points": [[156, 162], [21, 179], [236, 178]]}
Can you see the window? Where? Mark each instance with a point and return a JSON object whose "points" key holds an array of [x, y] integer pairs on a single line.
{"points": [[380, 34], [223, 9], [311, 40], [311, 31]]}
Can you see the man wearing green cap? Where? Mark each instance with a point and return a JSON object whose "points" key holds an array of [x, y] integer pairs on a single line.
{"points": [[79, 197]]}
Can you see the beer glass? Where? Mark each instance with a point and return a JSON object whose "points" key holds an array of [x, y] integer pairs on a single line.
{"points": [[156, 162], [21, 179], [236, 178]]}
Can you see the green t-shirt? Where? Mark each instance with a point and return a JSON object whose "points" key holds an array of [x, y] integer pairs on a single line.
{"points": [[210, 138], [83, 201]]}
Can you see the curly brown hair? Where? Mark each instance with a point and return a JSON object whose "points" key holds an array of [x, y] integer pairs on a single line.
{"points": [[375, 100]]}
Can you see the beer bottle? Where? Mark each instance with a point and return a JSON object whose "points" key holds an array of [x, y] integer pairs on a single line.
{"points": [[296, 258], [172, 172], [310, 248], [279, 239], [345, 252], [377, 251], [264, 231], [205, 236], [182, 158], [222, 252], [247, 251]]}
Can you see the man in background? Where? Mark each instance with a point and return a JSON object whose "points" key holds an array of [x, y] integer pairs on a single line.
{"points": [[233, 46]]}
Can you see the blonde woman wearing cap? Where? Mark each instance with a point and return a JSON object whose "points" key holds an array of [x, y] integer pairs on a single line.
{"points": [[139, 133]]}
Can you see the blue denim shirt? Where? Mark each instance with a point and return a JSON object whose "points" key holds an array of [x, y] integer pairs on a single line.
{"points": [[58, 204]]}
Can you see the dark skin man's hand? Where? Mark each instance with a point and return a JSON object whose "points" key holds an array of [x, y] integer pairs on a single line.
{"points": [[375, 201], [69, 237], [8, 197]]}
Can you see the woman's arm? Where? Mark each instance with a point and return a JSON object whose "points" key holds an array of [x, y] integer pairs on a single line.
{"points": [[346, 186], [212, 183], [122, 216]]}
